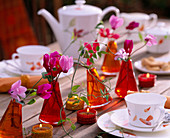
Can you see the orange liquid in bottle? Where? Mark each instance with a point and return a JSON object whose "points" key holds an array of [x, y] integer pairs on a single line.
{"points": [[110, 65]]}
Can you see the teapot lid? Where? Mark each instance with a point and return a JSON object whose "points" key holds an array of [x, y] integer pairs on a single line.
{"points": [[159, 29], [79, 9]]}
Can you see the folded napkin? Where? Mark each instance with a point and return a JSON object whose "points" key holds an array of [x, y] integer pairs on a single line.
{"points": [[27, 81]]}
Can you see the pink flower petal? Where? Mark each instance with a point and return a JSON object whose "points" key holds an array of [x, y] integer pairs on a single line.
{"points": [[115, 22], [150, 40]]}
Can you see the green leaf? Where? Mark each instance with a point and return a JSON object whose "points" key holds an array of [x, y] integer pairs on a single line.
{"points": [[20, 102], [101, 91], [72, 22], [76, 102], [165, 36], [97, 48], [81, 48], [54, 69], [94, 55], [33, 94], [82, 52], [86, 55], [104, 52], [43, 75], [72, 125], [91, 51], [70, 95], [75, 87], [107, 97], [140, 36], [91, 60], [99, 54], [85, 99], [74, 95], [61, 121], [31, 101], [98, 25]]}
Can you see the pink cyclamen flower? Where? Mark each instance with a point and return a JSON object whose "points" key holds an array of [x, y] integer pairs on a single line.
{"points": [[128, 46], [150, 40], [66, 63], [17, 90], [43, 91], [132, 25], [104, 32], [121, 54], [115, 22]]}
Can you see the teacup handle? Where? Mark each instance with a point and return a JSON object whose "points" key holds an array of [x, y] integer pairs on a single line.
{"points": [[154, 19], [14, 55], [161, 116], [109, 9]]}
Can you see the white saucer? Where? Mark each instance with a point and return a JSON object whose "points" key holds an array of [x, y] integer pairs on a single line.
{"points": [[16, 71], [121, 119], [106, 125]]}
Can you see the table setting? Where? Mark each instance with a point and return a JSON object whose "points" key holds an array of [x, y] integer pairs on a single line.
{"points": [[110, 79]]}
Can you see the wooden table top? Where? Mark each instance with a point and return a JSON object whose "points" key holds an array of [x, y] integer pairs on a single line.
{"points": [[31, 113]]}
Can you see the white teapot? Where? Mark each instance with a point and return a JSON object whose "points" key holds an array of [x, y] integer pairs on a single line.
{"points": [[80, 19]]}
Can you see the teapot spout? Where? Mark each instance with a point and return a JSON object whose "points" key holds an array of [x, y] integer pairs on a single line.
{"points": [[54, 24]]}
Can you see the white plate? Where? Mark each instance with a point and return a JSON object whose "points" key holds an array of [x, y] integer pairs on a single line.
{"points": [[106, 125], [121, 119], [16, 71], [139, 66]]}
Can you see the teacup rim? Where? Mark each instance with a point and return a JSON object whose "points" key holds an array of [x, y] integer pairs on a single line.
{"points": [[129, 15], [39, 46], [160, 102]]}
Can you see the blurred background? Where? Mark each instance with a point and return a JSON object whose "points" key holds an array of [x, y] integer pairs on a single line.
{"points": [[20, 24]]}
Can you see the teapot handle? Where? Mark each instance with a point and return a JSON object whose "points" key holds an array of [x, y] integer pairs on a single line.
{"points": [[154, 19], [109, 9]]}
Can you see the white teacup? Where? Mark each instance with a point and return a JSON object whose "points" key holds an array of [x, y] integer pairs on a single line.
{"points": [[145, 109], [30, 57]]}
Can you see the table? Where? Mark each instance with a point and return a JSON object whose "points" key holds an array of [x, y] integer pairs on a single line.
{"points": [[31, 113]]}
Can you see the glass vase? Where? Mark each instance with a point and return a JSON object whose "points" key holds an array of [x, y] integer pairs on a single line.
{"points": [[50, 112], [110, 65], [11, 122], [126, 79], [95, 97]]}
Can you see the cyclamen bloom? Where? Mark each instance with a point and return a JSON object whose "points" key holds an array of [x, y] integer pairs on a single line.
{"points": [[150, 40], [66, 63], [106, 33], [51, 61], [89, 47], [43, 91], [128, 46], [17, 90], [121, 54], [115, 22], [132, 25]]}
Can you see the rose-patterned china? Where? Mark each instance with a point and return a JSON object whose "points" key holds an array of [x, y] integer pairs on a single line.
{"points": [[76, 22], [162, 33], [30, 58], [145, 109]]}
